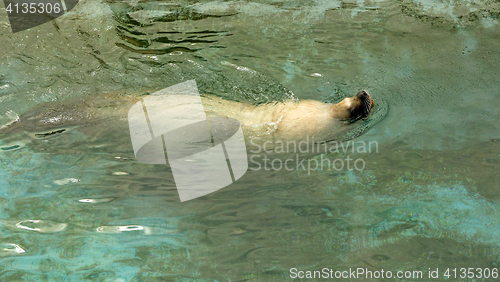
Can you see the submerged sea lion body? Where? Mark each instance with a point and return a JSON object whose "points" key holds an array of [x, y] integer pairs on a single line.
{"points": [[49, 116], [289, 120], [294, 120]]}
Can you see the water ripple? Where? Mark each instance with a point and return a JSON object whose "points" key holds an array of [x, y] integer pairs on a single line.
{"points": [[42, 226], [7, 249], [97, 201], [123, 228]]}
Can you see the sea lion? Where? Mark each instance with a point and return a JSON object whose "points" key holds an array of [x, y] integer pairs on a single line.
{"points": [[289, 120], [294, 120]]}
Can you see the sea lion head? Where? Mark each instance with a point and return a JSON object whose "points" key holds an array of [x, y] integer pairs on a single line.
{"points": [[354, 108]]}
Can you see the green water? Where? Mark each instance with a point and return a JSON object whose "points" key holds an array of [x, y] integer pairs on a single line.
{"points": [[81, 208]]}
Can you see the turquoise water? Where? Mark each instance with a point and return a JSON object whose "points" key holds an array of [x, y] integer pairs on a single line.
{"points": [[79, 207]]}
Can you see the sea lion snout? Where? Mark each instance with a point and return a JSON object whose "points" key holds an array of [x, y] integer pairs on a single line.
{"points": [[363, 95], [353, 108], [366, 102]]}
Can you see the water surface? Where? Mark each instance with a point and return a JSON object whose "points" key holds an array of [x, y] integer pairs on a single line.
{"points": [[78, 208]]}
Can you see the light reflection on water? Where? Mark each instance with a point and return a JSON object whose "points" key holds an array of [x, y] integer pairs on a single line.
{"points": [[82, 208]]}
